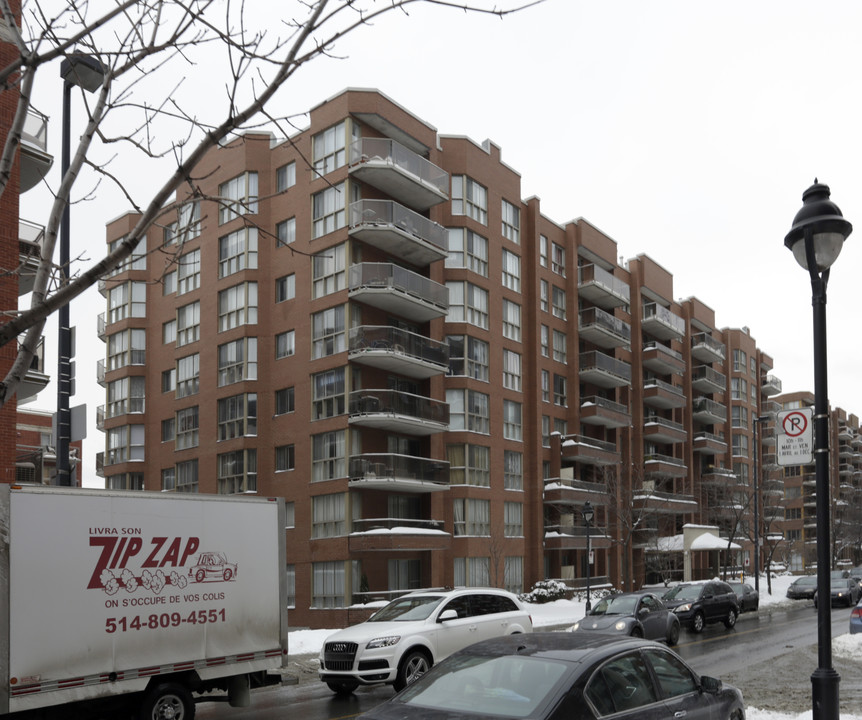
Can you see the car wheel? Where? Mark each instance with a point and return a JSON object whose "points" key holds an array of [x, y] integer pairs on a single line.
{"points": [[413, 666], [730, 620], [637, 632], [342, 688], [697, 622], [200, 575], [673, 634], [228, 574]]}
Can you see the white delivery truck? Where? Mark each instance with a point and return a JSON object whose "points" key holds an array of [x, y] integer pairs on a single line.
{"points": [[136, 603]]}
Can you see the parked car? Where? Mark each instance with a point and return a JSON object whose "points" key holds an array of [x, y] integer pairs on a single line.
{"points": [[699, 604], [842, 590], [747, 597], [639, 614], [563, 676], [856, 619], [406, 637], [802, 588]]}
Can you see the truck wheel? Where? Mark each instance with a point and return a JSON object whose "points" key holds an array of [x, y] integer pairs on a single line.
{"points": [[342, 688], [169, 701], [413, 666], [200, 575]]}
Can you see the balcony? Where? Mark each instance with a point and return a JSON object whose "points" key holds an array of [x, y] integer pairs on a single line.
{"points": [[35, 379], [845, 469], [397, 534], [661, 323], [603, 370], [706, 380], [646, 500], [845, 450], [770, 407], [708, 412], [662, 360], [709, 444], [590, 451], [398, 291], [35, 160], [400, 173], [30, 237], [566, 491], [398, 473], [398, 231], [661, 430], [718, 476], [663, 395], [399, 351], [603, 329], [398, 412], [771, 385], [601, 288], [101, 327], [574, 537], [707, 349], [100, 373], [664, 466], [607, 413], [100, 418], [100, 464]]}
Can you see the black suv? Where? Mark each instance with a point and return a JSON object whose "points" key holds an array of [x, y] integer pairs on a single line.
{"points": [[698, 604]]}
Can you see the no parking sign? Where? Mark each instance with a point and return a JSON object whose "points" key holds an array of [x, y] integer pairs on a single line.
{"points": [[795, 437]]}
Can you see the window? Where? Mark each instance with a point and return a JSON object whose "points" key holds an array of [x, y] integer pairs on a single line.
{"points": [[513, 573], [284, 401], [189, 272], [328, 516], [560, 390], [740, 445], [187, 225], [285, 288], [511, 370], [739, 360], [558, 300], [169, 428], [468, 250], [471, 516], [125, 396], [285, 177], [285, 344], [169, 332], [546, 386], [511, 271], [468, 356], [237, 306], [169, 479], [468, 410], [468, 303], [291, 586], [169, 283], [127, 300], [328, 272], [328, 148], [511, 320], [327, 589], [328, 394], [327, 332], [512, 429], [237, 416], [545, 341], [187, 476], [285, 458], [513, 519], [559, 346], [289, 515], [738, 416], [329, 208], [543, 250], [673, 676], [285, 232], [237, 361], [125, 444], [236, 472], [752, 366], [188, 326], [560, 426], [472, 572], [328, 456], [136, 261], [610, 687], [237, 251], [543, 295], [169, 380], [238, 197], [469, 465], [513, 470], [404, 574], [125, 481], [738, 389], [511, 222], [127, 347], [187, 428], [469, 198], [188, 375], [558, 259], [546, 431]]}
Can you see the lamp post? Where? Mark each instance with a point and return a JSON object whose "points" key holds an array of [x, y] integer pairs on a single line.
{"points": [[87, 73], [759, 419], [588, 513], [816, 237]]}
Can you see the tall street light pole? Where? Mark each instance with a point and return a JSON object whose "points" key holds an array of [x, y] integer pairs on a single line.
{"points": [[816, 238], [588, 513], [86, 72]]}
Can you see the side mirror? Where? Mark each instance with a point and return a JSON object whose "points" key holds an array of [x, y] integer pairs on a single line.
{"points": [[710, 685], [448, 615]]}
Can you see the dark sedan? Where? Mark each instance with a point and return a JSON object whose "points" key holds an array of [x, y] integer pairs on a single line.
{"points": [[842, 590], [803, 588], [639, 614], [563, 676], [747, 597]]}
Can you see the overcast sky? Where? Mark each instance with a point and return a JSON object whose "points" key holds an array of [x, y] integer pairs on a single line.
{"points": [[686, 131]]}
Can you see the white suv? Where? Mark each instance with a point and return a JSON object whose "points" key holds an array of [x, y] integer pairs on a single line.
{"points": [[406, 637]]}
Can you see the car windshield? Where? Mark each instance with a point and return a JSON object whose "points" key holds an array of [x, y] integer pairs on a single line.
{"points": [[407, 609], [737, 587], [807, 580], [840, 583], [507, 686], [684, 592], [616, 605]]}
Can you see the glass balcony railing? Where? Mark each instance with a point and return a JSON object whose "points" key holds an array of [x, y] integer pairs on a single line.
{"points": [[655, 315], [388, 338], [594, 278], [35, 130], [394, 402], [604, 321], [395, 467], [376, 276], [390, 214], [597, 362]]}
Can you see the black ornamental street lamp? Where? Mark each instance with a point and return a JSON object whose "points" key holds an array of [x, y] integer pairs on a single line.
{"points": [[816, 238], [588, 513]]}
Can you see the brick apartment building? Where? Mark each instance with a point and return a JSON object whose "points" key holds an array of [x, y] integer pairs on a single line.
{"points": [[368, 320]]}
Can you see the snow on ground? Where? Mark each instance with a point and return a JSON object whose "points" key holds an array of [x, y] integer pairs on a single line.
{"points": [[309, 642]]}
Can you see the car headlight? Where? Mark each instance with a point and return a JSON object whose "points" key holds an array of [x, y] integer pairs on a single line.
{"points": [[621, 625], [380, 642], [683, 608], [574, 627]]}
